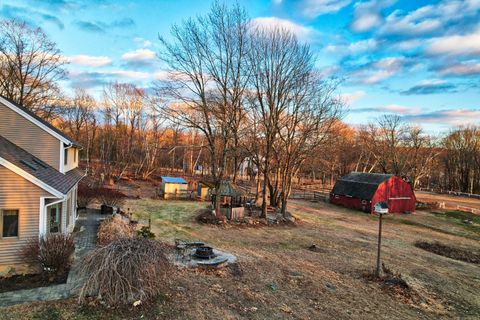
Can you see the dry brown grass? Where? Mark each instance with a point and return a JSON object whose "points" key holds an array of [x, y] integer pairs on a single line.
{"points": [[278, 277]]}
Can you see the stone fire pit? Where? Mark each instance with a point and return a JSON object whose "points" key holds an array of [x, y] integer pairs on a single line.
{"points": [[196, 254]]}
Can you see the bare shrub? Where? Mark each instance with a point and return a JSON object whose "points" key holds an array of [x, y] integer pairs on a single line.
{"points": [[53, 252], [110, 197], [114, 228], [208, 217], [86, 195], [124, 271]]}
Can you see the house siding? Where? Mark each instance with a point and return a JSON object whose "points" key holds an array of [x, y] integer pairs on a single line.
{"points": [[29, 137], [18, 193], [72, 159]]}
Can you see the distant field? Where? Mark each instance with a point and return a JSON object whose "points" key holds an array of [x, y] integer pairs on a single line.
{"points": [[450, 201], [279, 278]]}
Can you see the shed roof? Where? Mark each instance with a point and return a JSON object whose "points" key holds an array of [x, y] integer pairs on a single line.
{"points": [[39, 169], [359, 184], [173, 180], [208, 184], [228, 189]]}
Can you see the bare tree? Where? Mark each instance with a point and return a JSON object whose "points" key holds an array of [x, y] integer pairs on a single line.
{"points": [[462, 159], [208, 79], [30, 66], [279, 65], [422, 153], [80, 120]]}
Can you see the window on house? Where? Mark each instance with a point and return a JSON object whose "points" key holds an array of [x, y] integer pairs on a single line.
{"points": [[55, 218], [74, 155], [65, 157], [9, 223]]}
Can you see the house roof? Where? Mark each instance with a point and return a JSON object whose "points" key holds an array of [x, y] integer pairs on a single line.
{"points": [[33, 166], [173, 180], [32, 116], [228, 189], [360, 185]]}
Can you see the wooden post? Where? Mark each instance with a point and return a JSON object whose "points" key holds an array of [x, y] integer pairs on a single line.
{"points": [[149, 221], [377, 271]]}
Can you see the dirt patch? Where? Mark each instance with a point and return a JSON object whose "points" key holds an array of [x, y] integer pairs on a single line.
{"points": [[450, 252], [30, 281], [396, 286]]}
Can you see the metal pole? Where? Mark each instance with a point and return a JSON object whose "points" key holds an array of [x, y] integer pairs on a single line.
{"points": [[377, 272]]}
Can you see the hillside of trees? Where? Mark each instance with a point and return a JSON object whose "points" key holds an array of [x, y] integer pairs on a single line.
{"points": [[240, 101]]}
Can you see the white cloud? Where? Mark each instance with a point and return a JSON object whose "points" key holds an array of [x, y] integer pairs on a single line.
{"points": [[462, 69], [354, 47], [274, 22], [139, 56], [406, 45], [352, 97], [142, 42], [452, 117], [380, 70], [399, 109], [127, 74], [315, 8], [468, 44], [429, 18], [89, 61], [161, 75], [411, 24], [367, 15]]}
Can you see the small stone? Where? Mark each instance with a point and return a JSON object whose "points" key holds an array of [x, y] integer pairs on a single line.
{"points": [[286, 309], [331, 286], [274, 286]]}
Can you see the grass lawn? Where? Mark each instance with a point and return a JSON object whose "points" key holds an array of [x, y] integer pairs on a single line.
{"points": [[170, 219], [279, 278]]}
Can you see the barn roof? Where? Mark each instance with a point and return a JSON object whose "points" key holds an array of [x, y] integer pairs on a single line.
{"points": [[360, 185], [173, 180]]}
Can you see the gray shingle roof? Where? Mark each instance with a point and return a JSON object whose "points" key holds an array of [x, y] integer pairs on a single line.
{"points": [[46, 123], [37, 168], [360, 185], [228, 189]]}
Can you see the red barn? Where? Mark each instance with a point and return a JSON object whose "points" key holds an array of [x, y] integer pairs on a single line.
{"points": [[361, 191]]}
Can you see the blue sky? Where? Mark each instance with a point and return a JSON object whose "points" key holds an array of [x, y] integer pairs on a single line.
{"points": [[419, 59]]}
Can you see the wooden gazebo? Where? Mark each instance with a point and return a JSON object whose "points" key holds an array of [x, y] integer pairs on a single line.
{"points": [[232, 200]]}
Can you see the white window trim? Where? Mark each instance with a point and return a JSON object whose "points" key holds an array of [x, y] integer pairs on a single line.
{"points": [[62, 160]]}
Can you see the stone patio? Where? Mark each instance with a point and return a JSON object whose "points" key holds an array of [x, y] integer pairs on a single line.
{"points": [[85, 240]]}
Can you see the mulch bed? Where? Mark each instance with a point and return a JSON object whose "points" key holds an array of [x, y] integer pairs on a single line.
{"points": [[394, 284], [30, 281], [450, 252]]}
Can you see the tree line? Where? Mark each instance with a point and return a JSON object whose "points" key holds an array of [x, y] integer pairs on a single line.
{"points": [[240, 98]]}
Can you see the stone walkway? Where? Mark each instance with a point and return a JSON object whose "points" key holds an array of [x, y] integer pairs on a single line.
{"points": [[85, 240]]}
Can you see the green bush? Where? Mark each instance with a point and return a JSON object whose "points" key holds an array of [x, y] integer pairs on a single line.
{"points": [[146, 233]]}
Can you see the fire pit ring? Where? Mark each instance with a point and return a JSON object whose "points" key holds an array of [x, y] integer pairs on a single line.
{"points": [[204, 253]]}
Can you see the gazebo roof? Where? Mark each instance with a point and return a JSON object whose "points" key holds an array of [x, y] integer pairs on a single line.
{"points": [[228, 189]]}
